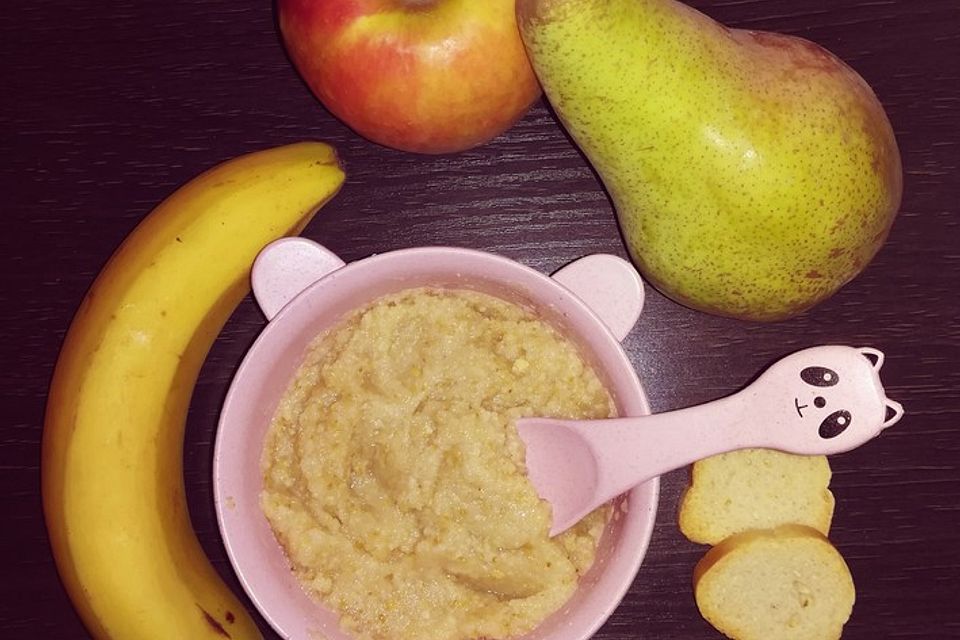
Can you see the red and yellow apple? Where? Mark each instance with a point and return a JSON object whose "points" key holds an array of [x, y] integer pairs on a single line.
{"points": [[429, 76]]}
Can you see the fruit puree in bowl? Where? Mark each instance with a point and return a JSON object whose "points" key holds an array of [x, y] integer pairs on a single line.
{"points": [[391, 501]]}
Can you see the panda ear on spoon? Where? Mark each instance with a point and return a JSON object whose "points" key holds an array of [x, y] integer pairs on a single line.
{"points": [[873, 355], [896, 408]]}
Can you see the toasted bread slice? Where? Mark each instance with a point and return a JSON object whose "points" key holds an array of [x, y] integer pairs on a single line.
{"points": [[755, 489], [787, 583]]}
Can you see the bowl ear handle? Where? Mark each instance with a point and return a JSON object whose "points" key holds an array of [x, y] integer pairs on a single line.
{"points": [[610, 286], [285, 268]]}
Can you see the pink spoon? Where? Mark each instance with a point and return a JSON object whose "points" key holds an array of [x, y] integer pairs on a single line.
{"points": [[818, 401]]}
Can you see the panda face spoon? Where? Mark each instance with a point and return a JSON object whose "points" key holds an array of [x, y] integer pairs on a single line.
{"points": [[818, 401]]}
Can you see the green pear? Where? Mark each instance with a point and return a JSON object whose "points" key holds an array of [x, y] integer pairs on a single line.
{"points": [[753, 173]]}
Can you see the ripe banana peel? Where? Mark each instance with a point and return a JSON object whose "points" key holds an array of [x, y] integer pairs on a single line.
{"points": [[113, 489]]}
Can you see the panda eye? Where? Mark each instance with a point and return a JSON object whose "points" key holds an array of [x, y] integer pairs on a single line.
{"points": [[820, 376], [835, 424]]}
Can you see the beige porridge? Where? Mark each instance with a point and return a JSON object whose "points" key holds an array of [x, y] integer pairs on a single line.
{"points": [[394, 478]]}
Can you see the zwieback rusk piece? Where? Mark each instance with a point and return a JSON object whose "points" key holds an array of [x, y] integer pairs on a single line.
{"points": [[755, 489], [787, 583]]}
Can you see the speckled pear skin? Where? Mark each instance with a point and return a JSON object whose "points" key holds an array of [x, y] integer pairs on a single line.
{"points": [[753, 173]]}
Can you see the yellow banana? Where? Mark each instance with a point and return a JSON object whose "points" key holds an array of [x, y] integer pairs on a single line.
{"points": [[113, 489]]}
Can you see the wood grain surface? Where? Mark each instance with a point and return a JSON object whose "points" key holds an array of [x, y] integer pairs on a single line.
{"points": [[108, 107]]}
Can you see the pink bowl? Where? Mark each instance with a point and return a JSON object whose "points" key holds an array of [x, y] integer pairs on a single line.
{"points": [[309, 289]]}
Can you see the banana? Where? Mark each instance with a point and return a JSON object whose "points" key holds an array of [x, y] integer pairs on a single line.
{"points": [[113, 489]]}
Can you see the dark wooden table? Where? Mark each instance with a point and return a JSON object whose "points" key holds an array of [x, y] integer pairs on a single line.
{"points": [[107, 107]]}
